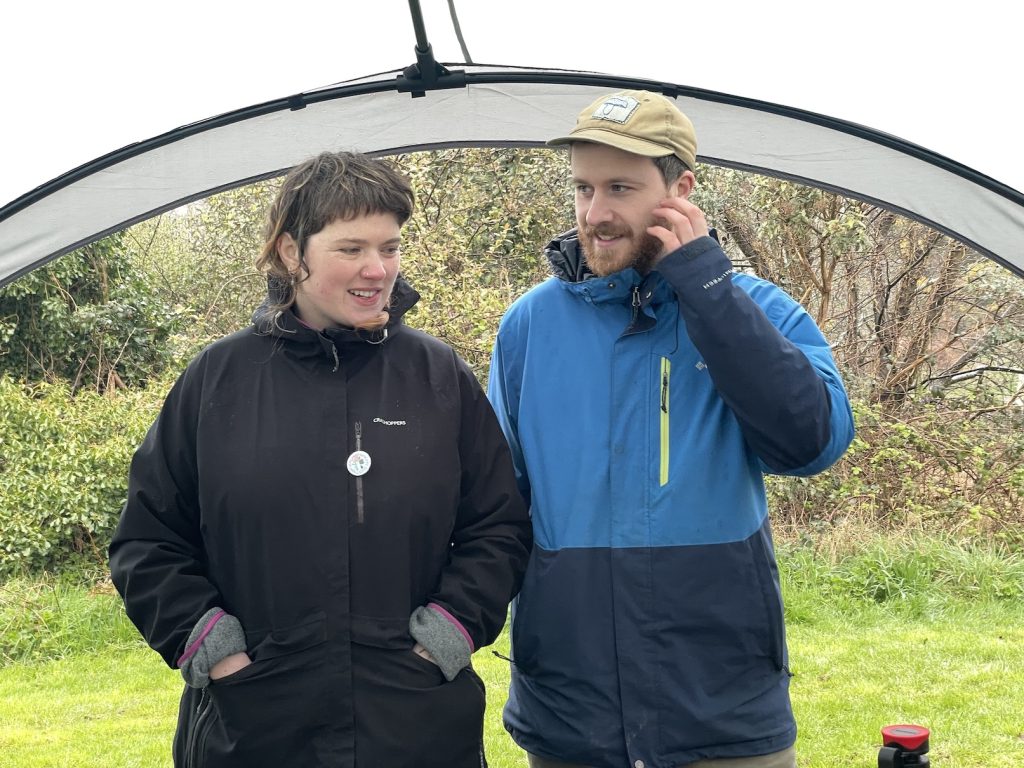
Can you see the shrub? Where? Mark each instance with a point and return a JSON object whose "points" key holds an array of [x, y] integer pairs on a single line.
{"points": [[64, 469], [936, 468], [88, 318]]}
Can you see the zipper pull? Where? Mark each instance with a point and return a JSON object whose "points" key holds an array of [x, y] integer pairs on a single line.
{"points": [[506, 658], [664, 391], [636, 303]]}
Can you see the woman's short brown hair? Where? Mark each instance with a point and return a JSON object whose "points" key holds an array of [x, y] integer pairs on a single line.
{"points": [[319, 191]]}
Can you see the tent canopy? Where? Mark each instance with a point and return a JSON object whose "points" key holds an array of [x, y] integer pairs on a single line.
{"points": [[473, 105]]}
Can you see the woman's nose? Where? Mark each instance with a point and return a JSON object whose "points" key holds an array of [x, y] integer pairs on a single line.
{"points": [[373, 267]]}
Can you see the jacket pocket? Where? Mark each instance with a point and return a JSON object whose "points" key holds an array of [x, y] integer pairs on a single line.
{"points": [[381, 631], [427, 666], [408, 716], [664, 433], [269, 712]]}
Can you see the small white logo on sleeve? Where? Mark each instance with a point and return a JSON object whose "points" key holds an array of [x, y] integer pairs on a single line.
{"points": [[717, 280], [386, 423], [617, 109]]}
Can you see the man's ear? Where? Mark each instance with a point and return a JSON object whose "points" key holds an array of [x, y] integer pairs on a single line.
{"points": [[684, 185], [288, 250]]}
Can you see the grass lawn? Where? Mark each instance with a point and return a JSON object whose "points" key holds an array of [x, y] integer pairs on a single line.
{"points": [[912, 630], [111, 709], [961, 675]]}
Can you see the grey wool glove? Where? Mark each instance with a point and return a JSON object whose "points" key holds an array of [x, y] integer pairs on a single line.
{"points": [[446, 642], [215, 636]]}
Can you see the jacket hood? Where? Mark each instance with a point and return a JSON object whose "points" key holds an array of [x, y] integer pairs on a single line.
{"points": [[565, 254], [569, 263]]}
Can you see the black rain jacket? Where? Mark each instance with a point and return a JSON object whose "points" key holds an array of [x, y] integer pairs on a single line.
{"points": [[240, 497]]}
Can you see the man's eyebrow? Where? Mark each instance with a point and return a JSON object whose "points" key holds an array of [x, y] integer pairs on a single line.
{"points": [[620, 180]]}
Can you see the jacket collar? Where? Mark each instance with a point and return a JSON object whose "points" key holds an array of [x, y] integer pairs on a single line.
{"points": [[286, 326], [570, 265]]}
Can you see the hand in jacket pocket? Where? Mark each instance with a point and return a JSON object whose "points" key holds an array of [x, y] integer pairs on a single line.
{"points": [[229, 665], [419, 650]]}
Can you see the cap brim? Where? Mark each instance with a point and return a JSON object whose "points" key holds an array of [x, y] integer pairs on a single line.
{"points": [[612, 139], [560, 141]]}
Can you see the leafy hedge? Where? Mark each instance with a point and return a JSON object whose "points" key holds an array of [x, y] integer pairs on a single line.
{"points": [[64, 465], [940, 468], [63, 470], [89, 318]]}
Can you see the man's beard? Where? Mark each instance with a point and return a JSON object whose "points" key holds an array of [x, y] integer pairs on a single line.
{"points": [[644, 251]]}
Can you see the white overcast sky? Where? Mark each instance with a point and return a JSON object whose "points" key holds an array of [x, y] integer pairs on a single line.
{"points": [[80, 79]]}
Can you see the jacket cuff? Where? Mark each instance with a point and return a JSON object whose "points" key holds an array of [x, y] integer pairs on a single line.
{"points": [[445, 639], [698, 271], [698, 247], [215, 636]]}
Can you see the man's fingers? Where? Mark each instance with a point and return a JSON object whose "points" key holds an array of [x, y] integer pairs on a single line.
{"points": [[683, 217], [677, 223], [666, 236]]}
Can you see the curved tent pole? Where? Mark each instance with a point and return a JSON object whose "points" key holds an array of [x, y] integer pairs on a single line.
{"points": [[784, 142], [459, 79], [30, 245]]}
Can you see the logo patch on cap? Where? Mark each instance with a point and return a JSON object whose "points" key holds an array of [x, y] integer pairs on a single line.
{"points": [[617, 109]]}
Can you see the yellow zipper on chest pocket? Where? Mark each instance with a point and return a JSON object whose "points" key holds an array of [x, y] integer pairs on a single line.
{"points": [[666, 376]]}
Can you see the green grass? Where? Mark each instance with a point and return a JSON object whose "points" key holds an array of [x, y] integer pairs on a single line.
{"points": [[924, 632], [961, 677], [114, 708]]}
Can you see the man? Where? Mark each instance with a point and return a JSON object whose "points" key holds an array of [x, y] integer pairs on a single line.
{"points": [[645, 390]]}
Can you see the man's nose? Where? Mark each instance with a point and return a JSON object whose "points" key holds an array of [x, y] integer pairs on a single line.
{"points": [[599, 212]]}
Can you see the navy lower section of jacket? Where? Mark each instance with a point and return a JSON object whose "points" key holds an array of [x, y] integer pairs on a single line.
{"points": [[695, 632]]}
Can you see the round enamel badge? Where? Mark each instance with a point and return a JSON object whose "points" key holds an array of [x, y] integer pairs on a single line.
{"points": [[358, 463]]}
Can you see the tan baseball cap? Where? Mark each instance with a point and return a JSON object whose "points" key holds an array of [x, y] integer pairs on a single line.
{"points": [[640, 122]]}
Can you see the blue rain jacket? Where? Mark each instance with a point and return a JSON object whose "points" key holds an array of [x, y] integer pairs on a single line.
{"points": [[642, 413]]}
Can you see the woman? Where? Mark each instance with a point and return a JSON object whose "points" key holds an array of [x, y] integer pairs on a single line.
{"points": [[323, 522]]}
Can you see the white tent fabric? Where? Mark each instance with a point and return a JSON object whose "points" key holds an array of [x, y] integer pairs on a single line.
{"points": [[934, 74], [497, 108]]}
